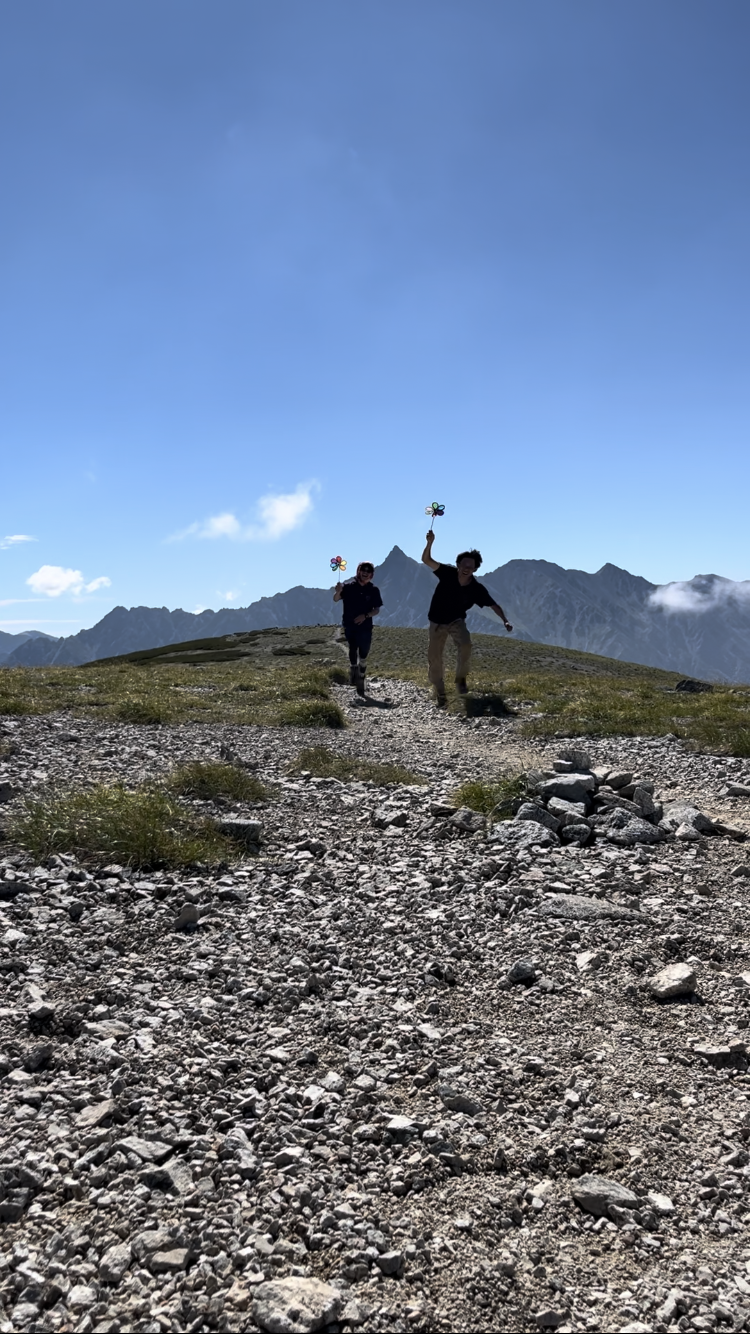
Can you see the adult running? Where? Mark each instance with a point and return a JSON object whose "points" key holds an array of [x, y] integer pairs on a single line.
{"points": [[456, 593]]}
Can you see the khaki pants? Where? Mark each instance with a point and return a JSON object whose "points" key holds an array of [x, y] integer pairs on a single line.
{"points": [[436, 648]]}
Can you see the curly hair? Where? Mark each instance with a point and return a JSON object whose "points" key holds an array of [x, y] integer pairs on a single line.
{"points": [[475, 555]]}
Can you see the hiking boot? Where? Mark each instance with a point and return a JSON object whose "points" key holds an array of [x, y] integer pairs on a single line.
{"points": [[353, 675], [461, 685], [361, 681], [441, 701]]}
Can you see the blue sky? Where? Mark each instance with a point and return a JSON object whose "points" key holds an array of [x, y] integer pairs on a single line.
{"points": [[274, 276]]}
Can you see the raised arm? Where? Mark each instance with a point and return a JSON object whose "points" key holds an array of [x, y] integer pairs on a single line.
{"points": [[427, 553], [337, 592]]}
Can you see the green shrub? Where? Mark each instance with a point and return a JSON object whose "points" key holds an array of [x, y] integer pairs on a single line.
{"points": [[494, 799], [11, 705], [144, 711], [146, 829], [324, 763], [312, 713], [209, 779]]}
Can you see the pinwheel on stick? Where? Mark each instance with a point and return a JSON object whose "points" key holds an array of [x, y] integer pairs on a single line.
{"points": [[338, 565]]}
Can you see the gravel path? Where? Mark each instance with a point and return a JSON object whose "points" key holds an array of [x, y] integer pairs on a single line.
{"points": [[331, 1076]]}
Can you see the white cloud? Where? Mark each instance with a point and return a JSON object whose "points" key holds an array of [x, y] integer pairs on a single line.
{"points": [[281, 514], [54, 580], [704, 593], [14, 540], [221, 525], [277, 514], [231, 595]]}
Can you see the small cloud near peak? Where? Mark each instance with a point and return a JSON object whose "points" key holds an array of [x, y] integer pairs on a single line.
{"points": [[54, 580], [704, 593]]}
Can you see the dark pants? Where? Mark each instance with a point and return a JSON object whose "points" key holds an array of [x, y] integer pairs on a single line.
{"points": [[359, 639]]}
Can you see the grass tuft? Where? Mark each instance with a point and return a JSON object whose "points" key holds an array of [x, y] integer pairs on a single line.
{"points": [[312, 713], [144, 711], [495, 799], [147, 829], [324, 763], [207, 780]]}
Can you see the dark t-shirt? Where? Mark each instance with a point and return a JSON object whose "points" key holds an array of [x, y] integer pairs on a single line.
{"points": [[358, 599], [452, 600]]}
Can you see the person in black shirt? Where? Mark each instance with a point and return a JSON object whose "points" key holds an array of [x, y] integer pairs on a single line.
{"points": [[456, 592], [362, 601]]}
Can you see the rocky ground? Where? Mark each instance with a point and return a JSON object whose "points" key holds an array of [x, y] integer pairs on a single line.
{"points": [[397, 1075]]}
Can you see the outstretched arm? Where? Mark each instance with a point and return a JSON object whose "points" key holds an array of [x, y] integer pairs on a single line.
{"points": [[499, 612], [427, 553]]}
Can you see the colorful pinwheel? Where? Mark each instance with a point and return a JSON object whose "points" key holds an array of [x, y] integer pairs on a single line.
{"points": [[434, 511], [338, 564]]}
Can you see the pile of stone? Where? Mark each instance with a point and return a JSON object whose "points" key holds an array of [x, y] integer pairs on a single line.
{"points": [[577, 803]]}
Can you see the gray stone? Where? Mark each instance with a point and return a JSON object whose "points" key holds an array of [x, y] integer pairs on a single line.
{"points": [[390, 1263], [470, 821], [595, 1194], [147, 1243], [571, 787], [188, 917], [522, 972], [580, 759], [576, 907], [567, 812], [741, 872], [618, 778], [677, 979], [524, 834], [685, 833], [296, 1305], [240, 830], [458, 1102], [173, 1176], [8, 792], [738, 790], [626, 830], [169, 1262], [661, 1204], [590, 959], [681, 812], [149, 1150], [96, 1114], [532, 811], [114, 1263], [81, 1297], [643, 798], [386, 818], [40, 1012], [577, 834]]}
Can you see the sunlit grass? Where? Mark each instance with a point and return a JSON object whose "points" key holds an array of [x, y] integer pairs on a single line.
{"points": [[324, 763], [206, 780], [147, 829], [494, 799], [546, 690]]}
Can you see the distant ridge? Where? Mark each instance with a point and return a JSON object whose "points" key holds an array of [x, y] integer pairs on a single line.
{"points": [[610, 612], [9, 643]]}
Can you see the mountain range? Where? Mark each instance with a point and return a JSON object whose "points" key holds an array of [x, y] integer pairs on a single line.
{"points": [[9, 643], [699, 628]]}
